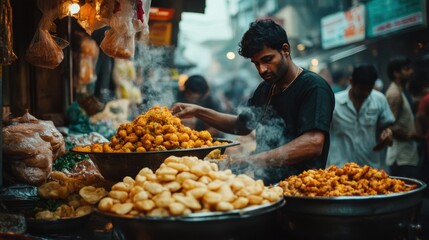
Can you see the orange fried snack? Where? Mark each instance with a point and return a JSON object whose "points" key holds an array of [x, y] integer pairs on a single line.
{"points": [[155, 130], [350, 180]]}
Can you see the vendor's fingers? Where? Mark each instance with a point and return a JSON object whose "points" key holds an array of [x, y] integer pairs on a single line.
{"points": [[175, 108]]}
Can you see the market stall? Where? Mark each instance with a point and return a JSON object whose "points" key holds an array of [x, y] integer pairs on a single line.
{"points": [[156, 174], [151, 177]]}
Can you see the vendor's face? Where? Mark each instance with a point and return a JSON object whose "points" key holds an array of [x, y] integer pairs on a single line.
{"points": [[272, 65]]}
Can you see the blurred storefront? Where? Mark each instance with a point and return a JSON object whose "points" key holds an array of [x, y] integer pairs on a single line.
{"points": [[372, 32], [326, 36]]}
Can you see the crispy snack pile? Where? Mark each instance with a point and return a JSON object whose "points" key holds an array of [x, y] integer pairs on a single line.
{"points": [[184, 185], [155, 130], [67, 197], [350, 180]]}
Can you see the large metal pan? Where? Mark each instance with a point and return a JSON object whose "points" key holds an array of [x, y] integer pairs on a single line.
{"points": [[115, 166], [257, 222], [393, 216]]}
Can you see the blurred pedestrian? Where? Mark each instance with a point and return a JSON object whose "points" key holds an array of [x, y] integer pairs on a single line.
{"points": [[291, 110], [402, 157], [361, 118], [340, 80], [197, 91], [235, 94], [422, 126]]}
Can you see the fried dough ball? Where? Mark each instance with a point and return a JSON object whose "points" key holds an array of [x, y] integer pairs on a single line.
{"points": [[155, 130]]}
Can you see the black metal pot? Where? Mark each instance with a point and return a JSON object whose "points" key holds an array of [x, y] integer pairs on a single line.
{"points": [[258, 222], [393, 216], [115, 166]]}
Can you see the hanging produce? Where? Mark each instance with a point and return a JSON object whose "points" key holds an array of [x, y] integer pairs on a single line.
{"points": [[7, 56], [87, 17], [126, 21], [46, 50]]}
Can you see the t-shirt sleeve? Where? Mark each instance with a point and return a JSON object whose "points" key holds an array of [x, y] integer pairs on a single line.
{"points": [[317, 108]]}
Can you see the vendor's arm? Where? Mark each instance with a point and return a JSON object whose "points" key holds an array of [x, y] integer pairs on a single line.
{"points": [[306, 146], [227, 123]]}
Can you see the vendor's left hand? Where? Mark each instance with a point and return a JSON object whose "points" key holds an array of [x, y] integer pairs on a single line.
{"points": [[184, 110]]}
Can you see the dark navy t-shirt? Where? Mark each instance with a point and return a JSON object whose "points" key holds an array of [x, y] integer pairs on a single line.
{"points": [[307, 104]]}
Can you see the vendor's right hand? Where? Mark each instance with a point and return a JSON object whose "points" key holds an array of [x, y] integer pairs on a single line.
{"points": [[184, 110]]}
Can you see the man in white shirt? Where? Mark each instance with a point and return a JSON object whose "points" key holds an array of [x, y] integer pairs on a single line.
{"points": [[360, 123]]}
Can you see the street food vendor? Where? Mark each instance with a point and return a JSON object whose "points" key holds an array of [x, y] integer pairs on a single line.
{"points": [[290, 111]]}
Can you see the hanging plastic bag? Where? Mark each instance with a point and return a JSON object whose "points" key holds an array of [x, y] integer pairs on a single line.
{"points": [[104, 9], [142, 15], [46, 50], [7, 56], [87, 59], [119, 41], [87, 18]]}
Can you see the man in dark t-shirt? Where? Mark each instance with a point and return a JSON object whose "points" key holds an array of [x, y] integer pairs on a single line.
{"points": [[304, 106], [291, 110]]}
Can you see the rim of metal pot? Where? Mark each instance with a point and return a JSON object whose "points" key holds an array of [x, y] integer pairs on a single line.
{"points": [[205, 216]]}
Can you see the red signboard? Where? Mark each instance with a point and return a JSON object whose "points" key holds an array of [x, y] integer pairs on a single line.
{"points": [[161, 14]]}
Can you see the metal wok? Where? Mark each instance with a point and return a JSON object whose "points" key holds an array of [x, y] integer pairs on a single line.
{"points": [[393, 216]]}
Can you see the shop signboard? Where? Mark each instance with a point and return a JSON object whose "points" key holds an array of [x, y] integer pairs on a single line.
{"points": [[343, 28], [160, 33], [387, 16], [160, 26]]}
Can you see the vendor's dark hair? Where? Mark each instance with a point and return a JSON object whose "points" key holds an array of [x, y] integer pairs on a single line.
{"points": [[197, 83], [261, 33], [364, 74], [396, 64]]}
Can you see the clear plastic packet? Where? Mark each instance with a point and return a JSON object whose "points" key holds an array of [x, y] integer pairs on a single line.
{"points": [[142, 15], [87, 18], [104, 9], [87, 60], [118, 46], [7, 56], [63, 8], [119, 41], [46, 50]]}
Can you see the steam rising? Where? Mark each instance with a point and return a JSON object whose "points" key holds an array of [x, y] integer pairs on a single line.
{"points": [[269, 129], [157, 87]]}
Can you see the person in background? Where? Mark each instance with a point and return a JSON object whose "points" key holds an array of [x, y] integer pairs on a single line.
{"points": [[402, 157], [197, 91], [234, 94], [290, 111], [340, 80], [360, 123], [422, 126]]}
